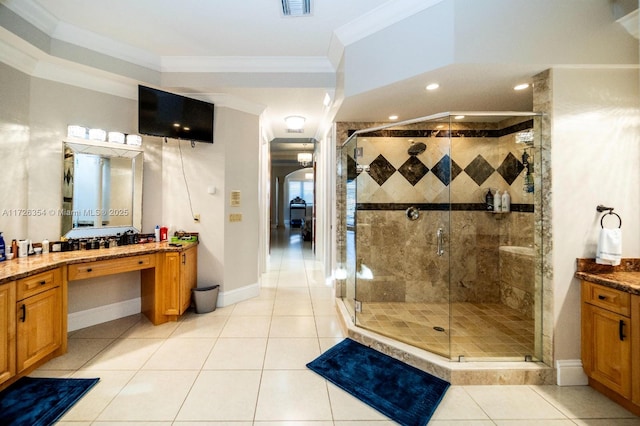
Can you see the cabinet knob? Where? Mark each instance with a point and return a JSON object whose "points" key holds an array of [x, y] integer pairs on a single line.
{"points": [[601, 297], [89, 269], [140, 262], [43, 282]]}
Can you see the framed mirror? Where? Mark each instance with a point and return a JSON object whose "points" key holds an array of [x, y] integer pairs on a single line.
{"points": [[101, 188]]}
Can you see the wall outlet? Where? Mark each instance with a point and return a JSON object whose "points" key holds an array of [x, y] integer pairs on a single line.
{"points": [[235, 217], [196, 218]]}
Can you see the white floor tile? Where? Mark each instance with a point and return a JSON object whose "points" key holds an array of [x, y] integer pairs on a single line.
{"points": [[290, 354], [237, 354], [241, 326], [151, 395], [513, 403], [293, 327], [125, 354], [222, 395], [292, 395], [180, 354]]}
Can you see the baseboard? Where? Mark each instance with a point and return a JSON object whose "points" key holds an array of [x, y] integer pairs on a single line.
{"points": [[570, 373], [89, 317], [227, 298]]}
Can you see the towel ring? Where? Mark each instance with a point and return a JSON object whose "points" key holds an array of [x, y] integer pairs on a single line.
{"points": [[607, 214]]}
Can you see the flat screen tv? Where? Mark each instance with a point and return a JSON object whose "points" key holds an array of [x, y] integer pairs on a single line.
{"points": [[169, 115]]}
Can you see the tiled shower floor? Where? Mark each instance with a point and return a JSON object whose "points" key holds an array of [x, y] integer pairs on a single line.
{"points": [[478, 331]]}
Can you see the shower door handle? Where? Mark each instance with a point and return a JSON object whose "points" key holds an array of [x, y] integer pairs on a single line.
{"points": [[439, 238]]}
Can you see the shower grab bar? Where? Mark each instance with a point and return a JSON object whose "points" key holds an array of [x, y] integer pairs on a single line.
{"points": [[439, 237]]}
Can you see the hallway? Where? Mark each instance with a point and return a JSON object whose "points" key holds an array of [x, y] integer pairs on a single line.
{"points": [[244, 365]]}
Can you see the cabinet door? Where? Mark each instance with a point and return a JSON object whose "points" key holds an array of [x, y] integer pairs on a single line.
{"points": [[39, 325], [635, 349], [171, 283], [607, 348], [7, 332], [188, 276]]}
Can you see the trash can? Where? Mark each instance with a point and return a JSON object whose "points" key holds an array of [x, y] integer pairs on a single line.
{"points": [[205, 298]]}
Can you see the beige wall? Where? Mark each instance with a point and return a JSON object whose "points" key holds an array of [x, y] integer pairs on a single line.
{"points": [[595, 157], [34, 116]]}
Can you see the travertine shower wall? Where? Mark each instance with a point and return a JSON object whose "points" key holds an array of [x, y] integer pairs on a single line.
{"points": [[395, 258]]}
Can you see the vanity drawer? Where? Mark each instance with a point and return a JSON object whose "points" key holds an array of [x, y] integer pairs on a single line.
{"points": [[108, 267], [27, 287], [607, 298]]}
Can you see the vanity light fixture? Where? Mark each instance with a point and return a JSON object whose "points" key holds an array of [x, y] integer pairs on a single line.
{"points": [[97, 135], [393, 117], [74, 131], [134, 140], [521, 86], [432, 86], [115, 137]]}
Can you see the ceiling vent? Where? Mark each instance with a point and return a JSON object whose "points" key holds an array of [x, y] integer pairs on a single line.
{"points": [[296, 7]]}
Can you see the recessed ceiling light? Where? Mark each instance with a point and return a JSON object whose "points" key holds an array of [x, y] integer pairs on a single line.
{"points": [[521, 86], [393, 117], [432, 86], [459, 117]]}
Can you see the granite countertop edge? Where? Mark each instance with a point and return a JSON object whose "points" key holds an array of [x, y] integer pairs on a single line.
{"points": [[15, 269], [624, 277]]}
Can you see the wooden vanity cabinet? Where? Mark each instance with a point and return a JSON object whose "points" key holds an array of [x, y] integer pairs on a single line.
{"points": [[180, 270], [610, 324], [39, 319], [7, 332]]}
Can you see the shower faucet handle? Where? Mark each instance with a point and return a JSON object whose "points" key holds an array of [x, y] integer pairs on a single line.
{"points": [[439, 238]]}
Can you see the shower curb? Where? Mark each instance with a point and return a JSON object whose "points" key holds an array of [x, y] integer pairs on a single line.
{"points": [[456, 373]]}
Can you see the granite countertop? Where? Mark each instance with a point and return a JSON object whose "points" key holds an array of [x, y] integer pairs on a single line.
{"points": [[624, 277], [22, 267]]}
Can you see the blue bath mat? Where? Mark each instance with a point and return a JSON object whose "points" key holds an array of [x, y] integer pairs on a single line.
{"points": [[403, 393], [39, 401]]}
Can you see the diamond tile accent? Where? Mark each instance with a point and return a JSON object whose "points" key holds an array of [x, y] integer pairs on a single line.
{"points": [[380, 169], [510, 168], [446, 170], [479, 170], [413, 170]]}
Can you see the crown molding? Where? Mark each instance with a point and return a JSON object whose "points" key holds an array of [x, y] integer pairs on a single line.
{"points": [[33, 13], [105, 45], [17, 57], [381, 17], [257, 64]]}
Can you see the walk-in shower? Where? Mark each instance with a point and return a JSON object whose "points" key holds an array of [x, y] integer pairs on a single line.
{"points": [[429, 258]]}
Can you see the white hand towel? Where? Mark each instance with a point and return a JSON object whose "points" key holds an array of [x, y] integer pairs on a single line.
{"points": [[609, 247]]}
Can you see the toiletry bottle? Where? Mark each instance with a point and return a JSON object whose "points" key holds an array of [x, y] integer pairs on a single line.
{"points": [[497, 201], [2, 255], [157, 233], [506, 202], [489, 200], [45, 246], [14, 248]]}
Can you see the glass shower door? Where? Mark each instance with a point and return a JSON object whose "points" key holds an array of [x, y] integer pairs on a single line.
{"points": [[402, 221]]}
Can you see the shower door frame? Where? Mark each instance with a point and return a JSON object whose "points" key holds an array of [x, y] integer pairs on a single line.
{"points": [[445, 219]]}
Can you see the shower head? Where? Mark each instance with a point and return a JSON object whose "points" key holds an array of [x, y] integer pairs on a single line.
{"points": [[417, 148]]}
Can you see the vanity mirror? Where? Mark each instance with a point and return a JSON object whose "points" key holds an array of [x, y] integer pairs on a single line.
{"points": [[101, 188]]}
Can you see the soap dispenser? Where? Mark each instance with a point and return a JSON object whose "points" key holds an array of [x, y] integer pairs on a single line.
{"points": [[506, 202]]}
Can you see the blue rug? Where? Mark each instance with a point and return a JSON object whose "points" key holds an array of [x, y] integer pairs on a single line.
{"points": [[38, 401], [403, 393]]}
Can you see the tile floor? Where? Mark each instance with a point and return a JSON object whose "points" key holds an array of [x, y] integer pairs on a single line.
{"points": [[477, 331], [245, 365]]}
